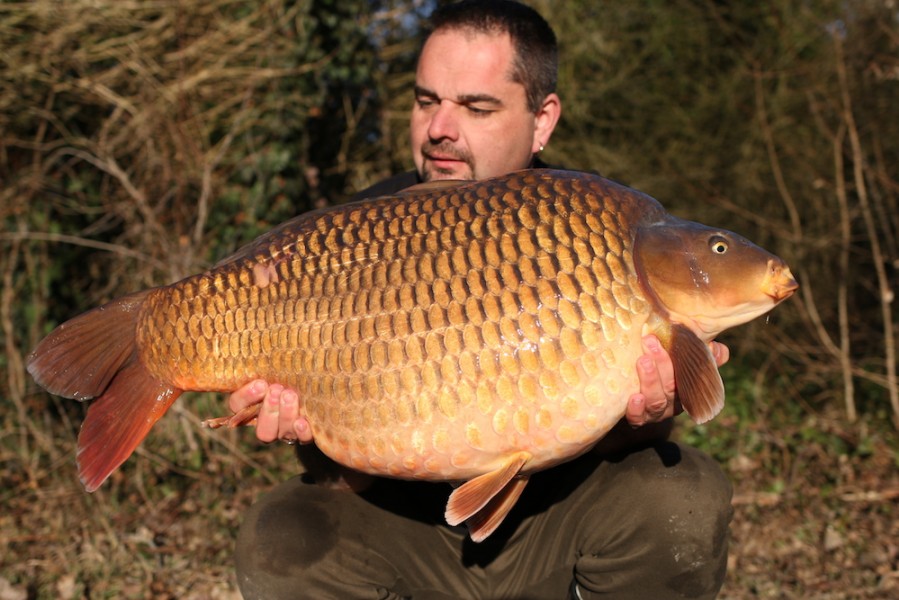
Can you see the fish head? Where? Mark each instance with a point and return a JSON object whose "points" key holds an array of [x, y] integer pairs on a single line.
{"points": [[708, 279]]}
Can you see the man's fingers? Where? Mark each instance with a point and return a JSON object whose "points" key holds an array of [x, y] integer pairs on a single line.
{"points": [[651, 401], [650, 378], [655, 400], [720, 352], [636, 410], [279, 413], [246, 395], [288, 411], [664, 367], [268, 421], [303, 430]]}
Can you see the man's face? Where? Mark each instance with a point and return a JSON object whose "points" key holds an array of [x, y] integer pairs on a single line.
{"points": [[470, 120]]}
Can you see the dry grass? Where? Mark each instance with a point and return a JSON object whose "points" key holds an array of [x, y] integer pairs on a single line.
{"points": [[163, 526], [815, 518], [809, 523]]}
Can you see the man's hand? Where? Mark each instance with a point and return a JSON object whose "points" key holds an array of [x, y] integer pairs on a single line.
{"points": [[279, 417], [656, 400]]}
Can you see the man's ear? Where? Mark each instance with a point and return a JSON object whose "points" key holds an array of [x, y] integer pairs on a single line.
{"points": [[545, 121]]}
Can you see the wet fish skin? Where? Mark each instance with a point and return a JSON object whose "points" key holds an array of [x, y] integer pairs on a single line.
{"points": [[475, 332], [444, 341]]}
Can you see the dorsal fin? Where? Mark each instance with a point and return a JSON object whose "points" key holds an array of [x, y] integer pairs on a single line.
{"points": [[433, 186], [699, 385], [477, 495]]}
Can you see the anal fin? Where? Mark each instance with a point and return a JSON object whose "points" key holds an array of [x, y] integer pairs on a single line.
{"points": [[699, 385], [485, 500]]}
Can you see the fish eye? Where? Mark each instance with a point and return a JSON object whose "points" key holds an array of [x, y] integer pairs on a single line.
{"points": [[718, 244]]}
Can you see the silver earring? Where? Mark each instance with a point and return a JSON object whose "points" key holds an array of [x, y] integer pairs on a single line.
{"points": [[541, 148]]}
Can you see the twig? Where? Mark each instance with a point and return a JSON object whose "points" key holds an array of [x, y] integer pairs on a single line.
{"points": [[870, 495], [37, 236], [15, 368], [887, 295], [841, 352], [842, 292], [757, 499]]}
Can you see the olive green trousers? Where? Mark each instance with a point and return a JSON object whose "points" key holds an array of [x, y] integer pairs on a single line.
{"points": [[649, 524]]}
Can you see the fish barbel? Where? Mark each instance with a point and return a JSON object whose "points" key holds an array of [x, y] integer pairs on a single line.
{"points": [[467, 332]]}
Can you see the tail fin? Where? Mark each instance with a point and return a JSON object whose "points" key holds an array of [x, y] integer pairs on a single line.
{"points": [[95, 354], [119, 420], [80, 357]]}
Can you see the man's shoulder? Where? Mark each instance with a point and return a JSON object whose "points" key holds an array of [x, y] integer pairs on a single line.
{"points": [[388, 186]]}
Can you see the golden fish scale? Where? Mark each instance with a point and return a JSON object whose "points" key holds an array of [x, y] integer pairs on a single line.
{"points": [[432, 334]]}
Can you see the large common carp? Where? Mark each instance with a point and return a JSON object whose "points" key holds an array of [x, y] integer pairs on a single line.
{"points": [[472, 332]]}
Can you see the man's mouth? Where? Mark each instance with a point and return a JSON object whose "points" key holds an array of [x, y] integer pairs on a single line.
{"points": [[445, 161], [440, 161], [443, 155]]}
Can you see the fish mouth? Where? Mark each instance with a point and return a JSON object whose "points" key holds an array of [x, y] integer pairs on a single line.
{"points": [[779, 283]]}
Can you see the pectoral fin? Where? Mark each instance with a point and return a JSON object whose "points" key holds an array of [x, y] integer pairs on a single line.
{"points": [[485, 501], [699, 385]]}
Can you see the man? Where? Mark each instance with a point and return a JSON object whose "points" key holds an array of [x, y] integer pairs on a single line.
{"points": [[639, 517]]}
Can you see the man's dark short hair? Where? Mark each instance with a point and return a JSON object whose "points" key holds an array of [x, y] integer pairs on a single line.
{"points": [[536, 61]]}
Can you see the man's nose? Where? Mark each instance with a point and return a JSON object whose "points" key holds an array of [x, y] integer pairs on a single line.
{"points": [[444, 122]]}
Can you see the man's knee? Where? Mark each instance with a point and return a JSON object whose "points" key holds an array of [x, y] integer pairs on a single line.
{"points": [[285, 535], [671, 522], [694, 529], [305, 540], [679, 493], [690, 482]]}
